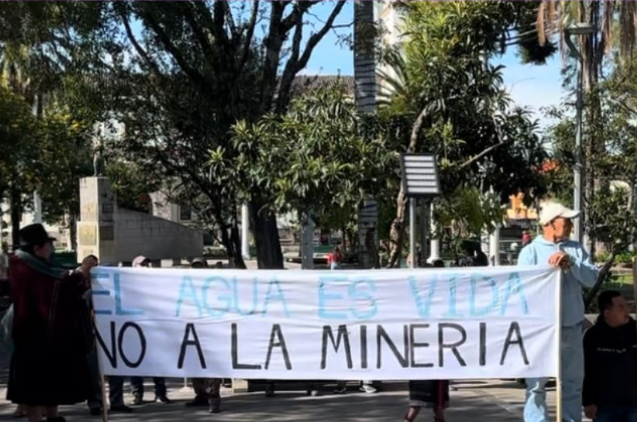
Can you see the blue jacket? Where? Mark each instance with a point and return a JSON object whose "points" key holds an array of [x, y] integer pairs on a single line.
{"points": [[581, 274]]}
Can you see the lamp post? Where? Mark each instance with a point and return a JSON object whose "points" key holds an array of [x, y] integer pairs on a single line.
{"points": [[579, 29], [420, 179]]}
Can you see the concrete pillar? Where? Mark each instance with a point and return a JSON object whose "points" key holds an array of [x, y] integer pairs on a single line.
{"points": [[245, 231], [494, 246], [434, 245]]}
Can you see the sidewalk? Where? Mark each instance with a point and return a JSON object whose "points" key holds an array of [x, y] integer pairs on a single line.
{"points": [[474, 401]]}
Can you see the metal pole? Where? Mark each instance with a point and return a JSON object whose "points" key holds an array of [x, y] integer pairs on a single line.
{"points": [[245, 231], [425, 231], [412, 232], [578, 176], [434, 244]]}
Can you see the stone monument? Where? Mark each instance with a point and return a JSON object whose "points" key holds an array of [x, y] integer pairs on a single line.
{"points": [[117, 235]]}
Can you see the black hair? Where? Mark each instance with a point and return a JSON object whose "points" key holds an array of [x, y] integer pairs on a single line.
{"points": [[605, 300], [92, 257]]}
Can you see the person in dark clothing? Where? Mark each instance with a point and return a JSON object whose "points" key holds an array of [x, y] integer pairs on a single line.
{"points": [[207, 390], [137, 383], [432, 394], [115, 384], [48, 365], [610, 363]]}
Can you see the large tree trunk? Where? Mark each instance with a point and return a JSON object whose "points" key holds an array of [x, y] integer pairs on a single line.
{"points": [[266, 233], [398, 225], [235, 238], [397, 230], [16, 216], [231, 240], [73, 230], [372, 250]]}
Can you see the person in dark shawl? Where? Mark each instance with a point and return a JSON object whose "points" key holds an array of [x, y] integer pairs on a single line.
{"points": [[50, 336], [432, 394]]}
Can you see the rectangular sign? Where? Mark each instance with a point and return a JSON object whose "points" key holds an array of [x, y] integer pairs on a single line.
{"points": [[460, 323]]}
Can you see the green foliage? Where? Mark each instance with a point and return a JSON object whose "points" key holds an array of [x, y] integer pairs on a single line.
{"points": [[63, 159], [611, 214], [17, 130], [483, 144], [312, 158], [467, 212]]}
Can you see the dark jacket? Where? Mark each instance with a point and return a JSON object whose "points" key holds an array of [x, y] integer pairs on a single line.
{"points": [[49, 365], [610, 356]]}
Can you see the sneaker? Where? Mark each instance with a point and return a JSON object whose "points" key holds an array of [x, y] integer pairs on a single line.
{"points": [[162, 399], [122, 408], [340, 390], [137, 400], [366, 388]]}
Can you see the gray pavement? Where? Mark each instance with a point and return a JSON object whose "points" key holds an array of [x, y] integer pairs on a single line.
{"points": [[471, 401]]}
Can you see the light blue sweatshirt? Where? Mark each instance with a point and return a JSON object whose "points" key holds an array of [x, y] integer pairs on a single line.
{"points": [[581, 274]]}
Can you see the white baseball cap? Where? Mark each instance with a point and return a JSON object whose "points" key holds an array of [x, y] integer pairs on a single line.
{"points": [[552, 210]]}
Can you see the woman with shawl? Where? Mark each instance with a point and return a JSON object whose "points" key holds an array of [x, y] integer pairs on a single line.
{"points": [[50, 337]]}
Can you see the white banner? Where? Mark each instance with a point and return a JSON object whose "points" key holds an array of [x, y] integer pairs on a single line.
{"points": [[334, 325]]}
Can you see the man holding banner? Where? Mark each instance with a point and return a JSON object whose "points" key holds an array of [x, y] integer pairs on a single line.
{"points": [[555, 248]]}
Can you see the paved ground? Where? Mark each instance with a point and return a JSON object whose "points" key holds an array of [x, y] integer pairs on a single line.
{"points": [[471, 402]]}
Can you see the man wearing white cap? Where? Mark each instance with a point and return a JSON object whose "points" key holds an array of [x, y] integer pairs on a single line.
{"points": [[556, 249]]}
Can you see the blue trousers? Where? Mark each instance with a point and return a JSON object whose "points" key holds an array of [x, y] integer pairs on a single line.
{"points": [[572, 350]]}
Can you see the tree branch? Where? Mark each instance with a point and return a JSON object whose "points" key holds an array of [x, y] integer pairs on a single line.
{"points": [[501, 142], [205, 45], [482, 154], [249, 34], [273, 44], [192, 73], [316, 38], [295, 63], [119, 7]]}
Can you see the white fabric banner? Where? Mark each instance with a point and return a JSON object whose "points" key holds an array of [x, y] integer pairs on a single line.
{"points": [[455, 323]]}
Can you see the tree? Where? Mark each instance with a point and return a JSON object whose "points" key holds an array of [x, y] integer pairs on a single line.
{"points": [[615, 30], [612, 214], [63, 158], [17, 152], [458, 106], [193, 71], [313, 159], [36, 65]]}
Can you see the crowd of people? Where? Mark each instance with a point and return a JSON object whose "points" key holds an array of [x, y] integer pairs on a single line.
{"points": [[54, 356]]}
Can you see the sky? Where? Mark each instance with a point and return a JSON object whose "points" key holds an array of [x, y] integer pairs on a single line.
{"points": [[530, 86]]}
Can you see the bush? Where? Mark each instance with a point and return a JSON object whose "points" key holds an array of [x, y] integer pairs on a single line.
{"points": [[625, 258]]}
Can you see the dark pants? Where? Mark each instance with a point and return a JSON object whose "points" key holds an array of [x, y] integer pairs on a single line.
{"points": [[137, 386], [207, 390], [115, 386], [617, 413]]}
